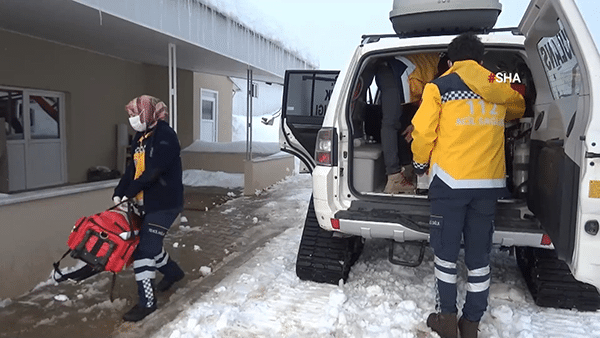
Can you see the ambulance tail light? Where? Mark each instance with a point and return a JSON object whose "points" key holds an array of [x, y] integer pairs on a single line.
{"points": [[335, 223], [546, 240], [326, 147]]}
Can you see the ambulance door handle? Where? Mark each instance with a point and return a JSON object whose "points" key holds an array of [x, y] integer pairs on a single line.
{"points": [[591, 155]]}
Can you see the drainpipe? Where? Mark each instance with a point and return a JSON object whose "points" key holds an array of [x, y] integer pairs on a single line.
{"points": [[249, 115], [3, 159], [173, 86]]}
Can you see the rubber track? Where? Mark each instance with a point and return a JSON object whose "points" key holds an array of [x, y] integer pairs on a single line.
{"points": [[323, 258], [551, 283]]}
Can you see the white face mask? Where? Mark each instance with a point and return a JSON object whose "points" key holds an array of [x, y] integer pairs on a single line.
{"points": [[136, 123]]}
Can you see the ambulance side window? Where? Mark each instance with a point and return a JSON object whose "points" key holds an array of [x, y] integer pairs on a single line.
{"points": [[311, 94]]}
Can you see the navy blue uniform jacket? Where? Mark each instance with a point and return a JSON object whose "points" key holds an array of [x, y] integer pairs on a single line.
{"points": [[161, 180]]}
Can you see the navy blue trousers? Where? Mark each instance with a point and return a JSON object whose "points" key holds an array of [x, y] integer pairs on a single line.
{"points": [[452, 220], [150, 255]]}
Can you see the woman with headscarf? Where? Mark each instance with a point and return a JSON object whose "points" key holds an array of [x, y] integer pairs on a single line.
{"points": [[154, 181]]}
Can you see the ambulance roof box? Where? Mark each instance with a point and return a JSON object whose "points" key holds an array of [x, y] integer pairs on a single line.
{"points": [[433, 17]]}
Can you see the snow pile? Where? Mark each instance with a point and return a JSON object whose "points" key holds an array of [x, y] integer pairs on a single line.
{"points": [[232, 147], [265, 138], [203, 178], [5, 302], [260, 131], [205, 270]]}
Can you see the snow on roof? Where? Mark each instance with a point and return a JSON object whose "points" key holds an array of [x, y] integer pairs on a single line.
{"points": [[244, 13]]}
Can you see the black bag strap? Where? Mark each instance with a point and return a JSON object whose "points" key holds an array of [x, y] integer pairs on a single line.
{"points": [[56, 264], [132, 209], [129, 205], [78, 275], [112, 287]]}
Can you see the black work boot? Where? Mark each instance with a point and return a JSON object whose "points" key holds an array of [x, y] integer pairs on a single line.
{"points": [[173, 274], [467, 328], [138, 313], [443, 324], [146, 304]]}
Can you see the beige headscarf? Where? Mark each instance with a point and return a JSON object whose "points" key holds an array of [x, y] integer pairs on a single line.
{"points": [[149, 108]]}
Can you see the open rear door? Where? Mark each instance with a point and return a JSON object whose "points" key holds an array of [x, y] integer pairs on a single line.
{"points": [[306, 95], [564, 170]]}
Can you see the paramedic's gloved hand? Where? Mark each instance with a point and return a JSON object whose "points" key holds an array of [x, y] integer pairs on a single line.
{"points": [[121, 200], [118, 199]]}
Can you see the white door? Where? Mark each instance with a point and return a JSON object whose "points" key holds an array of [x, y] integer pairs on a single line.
{"points": [[564, 179], [35, 138], [208, 115]]}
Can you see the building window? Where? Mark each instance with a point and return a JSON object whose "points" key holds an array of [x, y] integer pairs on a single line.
{"points": [[35, 137], [254, 90]]}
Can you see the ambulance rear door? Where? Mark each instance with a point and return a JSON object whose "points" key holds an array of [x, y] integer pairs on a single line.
{"points": [[564, 169]]}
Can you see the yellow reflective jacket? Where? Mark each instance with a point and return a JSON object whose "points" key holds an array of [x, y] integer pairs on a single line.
{"points": [[425, 71], [459, 127]]}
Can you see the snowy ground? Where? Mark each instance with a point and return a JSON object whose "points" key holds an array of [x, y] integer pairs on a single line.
{"points": [[265, 298]]}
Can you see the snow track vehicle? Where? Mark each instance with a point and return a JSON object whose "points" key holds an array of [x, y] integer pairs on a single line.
{"points": [[331, 121]]}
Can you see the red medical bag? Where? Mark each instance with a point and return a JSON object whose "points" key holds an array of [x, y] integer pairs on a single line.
{"points": [[105, 241]]}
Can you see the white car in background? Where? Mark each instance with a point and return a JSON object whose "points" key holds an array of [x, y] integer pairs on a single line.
{"points": [[553, 153]]}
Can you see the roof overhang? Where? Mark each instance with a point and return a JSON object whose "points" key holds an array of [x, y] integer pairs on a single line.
{"points": [[140, 31]]}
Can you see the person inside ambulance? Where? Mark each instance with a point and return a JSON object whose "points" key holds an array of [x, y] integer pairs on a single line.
{"points": [[401, 81], [459, 136], [154, 181]]}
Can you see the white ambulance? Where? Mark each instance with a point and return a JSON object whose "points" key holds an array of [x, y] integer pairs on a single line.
{"points": [[331, 122]]}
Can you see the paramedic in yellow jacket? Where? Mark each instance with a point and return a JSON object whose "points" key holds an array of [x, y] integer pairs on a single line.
{"points": [[459, 137]]}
